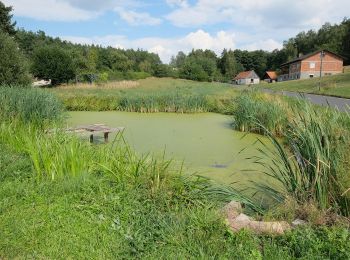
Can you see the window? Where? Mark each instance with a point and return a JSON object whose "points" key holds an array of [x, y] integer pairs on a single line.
{"points": [[312, 65], [251, 80], [311, 75]]}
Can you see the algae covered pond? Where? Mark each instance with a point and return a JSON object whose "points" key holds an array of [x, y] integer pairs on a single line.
{"points": [[205, 142]]}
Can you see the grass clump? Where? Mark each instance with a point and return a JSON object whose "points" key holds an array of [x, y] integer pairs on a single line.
{"points": [[312, 166], [252, 110], [29, 105]]}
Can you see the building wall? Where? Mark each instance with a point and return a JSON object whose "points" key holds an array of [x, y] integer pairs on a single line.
{"points": [[311, 66], [247, 81]]}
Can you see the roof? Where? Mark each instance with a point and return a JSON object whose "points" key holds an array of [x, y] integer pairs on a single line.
{"points": [[246, 74], [271, 74], [303, 57]]}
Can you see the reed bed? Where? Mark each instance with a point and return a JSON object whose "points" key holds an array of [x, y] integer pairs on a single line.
{"points": [[310, 160], [123, 84], [253, 113]]}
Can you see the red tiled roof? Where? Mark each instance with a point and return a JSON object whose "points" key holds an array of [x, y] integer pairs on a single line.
{"points": [[243, 75], [271, 74]]}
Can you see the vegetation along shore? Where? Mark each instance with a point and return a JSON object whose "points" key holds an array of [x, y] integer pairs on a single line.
{"points": [[286, 161]]}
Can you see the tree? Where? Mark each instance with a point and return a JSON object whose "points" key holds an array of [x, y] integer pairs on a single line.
{"points": [[6, 25], [162, 70], [13, 66], [228, 65], [53, 63]]}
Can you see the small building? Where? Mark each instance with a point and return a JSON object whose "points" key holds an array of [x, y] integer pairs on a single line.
{"points": [[311, 65], [247, 78], [270, 76]]}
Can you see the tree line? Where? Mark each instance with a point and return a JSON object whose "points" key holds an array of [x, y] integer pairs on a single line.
{"points": [[27, 55]]}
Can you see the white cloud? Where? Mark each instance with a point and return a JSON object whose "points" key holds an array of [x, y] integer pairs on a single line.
{"points": [[165, 47], [174, 3], [259, 14], [267, 45], [79, 10], [49, 10], [135, 18]]}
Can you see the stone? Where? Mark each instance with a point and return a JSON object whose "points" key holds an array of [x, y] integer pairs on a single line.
{"points": [[232, 209], [298, 222], [238, 220]]}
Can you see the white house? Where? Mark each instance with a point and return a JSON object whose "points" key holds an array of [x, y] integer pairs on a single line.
{"points": [[247, 78]]}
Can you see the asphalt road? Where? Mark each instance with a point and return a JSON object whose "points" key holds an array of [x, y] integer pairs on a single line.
{"points": [[343, 104]]}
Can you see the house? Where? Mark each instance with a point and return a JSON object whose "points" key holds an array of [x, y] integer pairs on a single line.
{"points": [[312, 65], [247, 78], [270, 76]]}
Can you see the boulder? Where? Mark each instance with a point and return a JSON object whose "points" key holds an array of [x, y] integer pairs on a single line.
{"points": [[237, 221]]}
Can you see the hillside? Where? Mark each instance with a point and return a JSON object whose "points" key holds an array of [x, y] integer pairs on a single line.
{"points": [[337, 85]]}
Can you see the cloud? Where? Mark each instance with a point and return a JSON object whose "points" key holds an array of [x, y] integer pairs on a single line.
{"points": [[50, 10], [135, 18], [174, 3], [79, 10], [165, 47], [259, 14], [267, 45]]}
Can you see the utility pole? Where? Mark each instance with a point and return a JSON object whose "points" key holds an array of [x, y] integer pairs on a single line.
{"points": [[319, 84]]}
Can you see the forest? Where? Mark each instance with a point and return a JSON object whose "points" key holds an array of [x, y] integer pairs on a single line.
{"points": [[29, 55]]}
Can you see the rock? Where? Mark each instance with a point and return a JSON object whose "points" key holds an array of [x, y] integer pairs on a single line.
{"points": [[262, 227], [237, 221], [232, 209], [298, 222]]}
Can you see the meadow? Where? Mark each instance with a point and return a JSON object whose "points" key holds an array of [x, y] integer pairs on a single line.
{"points": [[61, 197], [148, 95]]}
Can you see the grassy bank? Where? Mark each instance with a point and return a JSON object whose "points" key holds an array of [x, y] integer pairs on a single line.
{"points": [[148, 95], [61, 197], [98, 217], [336, 85]]}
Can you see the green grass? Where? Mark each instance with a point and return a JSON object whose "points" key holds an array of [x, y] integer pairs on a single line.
{"points": [[61, 197], [29, 105], [97, 217], [335, 85], [149, 95]]}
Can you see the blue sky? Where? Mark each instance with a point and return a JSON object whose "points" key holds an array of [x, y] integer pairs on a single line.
{"points": [[168, 26]]}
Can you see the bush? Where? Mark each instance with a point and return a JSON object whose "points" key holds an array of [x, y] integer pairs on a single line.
{"points": [[13, 65]]}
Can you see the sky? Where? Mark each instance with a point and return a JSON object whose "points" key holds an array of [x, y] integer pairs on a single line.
{"points": [[168, 26]]}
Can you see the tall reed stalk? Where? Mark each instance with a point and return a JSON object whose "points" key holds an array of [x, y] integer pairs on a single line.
{"points": [[312, 166]]}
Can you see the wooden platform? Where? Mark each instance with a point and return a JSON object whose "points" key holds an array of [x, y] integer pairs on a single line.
{"points": [[95, 129]]}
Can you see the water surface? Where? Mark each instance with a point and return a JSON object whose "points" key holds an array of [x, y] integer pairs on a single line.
{"points": [[205, 142]]}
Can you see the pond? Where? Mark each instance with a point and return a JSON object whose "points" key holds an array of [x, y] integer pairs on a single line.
{"points": [[205, 143]]}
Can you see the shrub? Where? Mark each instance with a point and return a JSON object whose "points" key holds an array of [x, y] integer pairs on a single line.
{"points": [[13, 65]]}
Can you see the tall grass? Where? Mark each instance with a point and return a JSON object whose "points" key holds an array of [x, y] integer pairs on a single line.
{"points": [[141, 102], [251, 110], [29, 105], [312, 166], [149, 95]]}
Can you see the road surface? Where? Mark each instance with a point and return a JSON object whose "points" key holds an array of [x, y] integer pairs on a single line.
{"points": [[343, 104]]}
